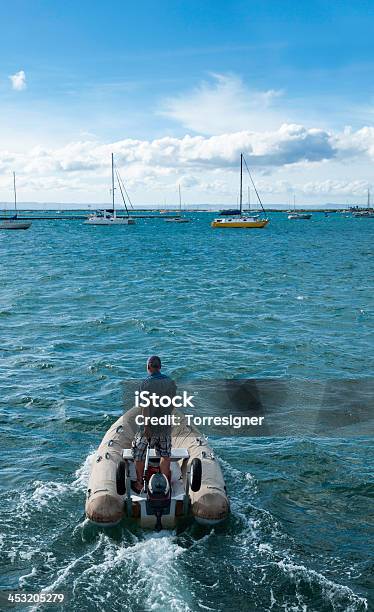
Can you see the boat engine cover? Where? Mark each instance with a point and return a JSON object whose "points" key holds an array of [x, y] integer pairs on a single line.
{"points": [[158, 486], [158, 497]]}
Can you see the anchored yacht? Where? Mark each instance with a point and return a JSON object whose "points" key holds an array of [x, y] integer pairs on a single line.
{"points": [[109, 216], [242, 220], [13, 223]]}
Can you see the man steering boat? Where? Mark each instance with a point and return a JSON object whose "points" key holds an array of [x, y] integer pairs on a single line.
{"points": [[156, 436]]}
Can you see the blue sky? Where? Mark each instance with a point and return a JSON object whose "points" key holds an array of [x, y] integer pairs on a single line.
{"points": [[177, 89]]}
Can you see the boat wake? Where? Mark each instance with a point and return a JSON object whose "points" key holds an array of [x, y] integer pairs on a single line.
{"points": [[129, 569]]}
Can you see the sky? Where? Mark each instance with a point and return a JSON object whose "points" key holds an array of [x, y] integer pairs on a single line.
{"points": [[177, 90]]}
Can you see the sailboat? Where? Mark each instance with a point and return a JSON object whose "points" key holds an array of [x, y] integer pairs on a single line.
{"points": [[364, 212], [13, 223], [242, 220], [298, 215], [178, 219], [109, 216]]}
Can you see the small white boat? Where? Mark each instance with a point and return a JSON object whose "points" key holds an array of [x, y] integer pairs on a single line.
{"points": [[240, 222], [178, 218], [294, 216], [13, 223], [109, 216], [367, 212], [363, 213]]}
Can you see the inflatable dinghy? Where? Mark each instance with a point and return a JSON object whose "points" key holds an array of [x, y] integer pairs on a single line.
{"points": [[196, 488]]}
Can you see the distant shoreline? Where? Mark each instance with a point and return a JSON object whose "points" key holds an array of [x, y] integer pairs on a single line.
{"points": [[7, 208]]}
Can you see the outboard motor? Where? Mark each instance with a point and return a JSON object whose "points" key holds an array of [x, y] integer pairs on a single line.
{"points": [[158, 497]]}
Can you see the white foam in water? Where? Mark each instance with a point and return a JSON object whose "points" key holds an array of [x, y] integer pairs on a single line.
{"points": [[249, 487], [154, 580], [60, 409], [252, 482], [272, 599], [44, 492], [83, 473], [150, 570], [19, 550], [24, 554], [336, 594], [23, 579], [12, 554], [158, 572], [247, 492], [64, 572], [265, 547]]}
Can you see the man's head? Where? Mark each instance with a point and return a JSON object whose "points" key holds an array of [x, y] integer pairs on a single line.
{"points": [[154, 364]]}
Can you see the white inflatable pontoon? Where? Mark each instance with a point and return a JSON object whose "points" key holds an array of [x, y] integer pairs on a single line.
{"points": [[197, 486]]}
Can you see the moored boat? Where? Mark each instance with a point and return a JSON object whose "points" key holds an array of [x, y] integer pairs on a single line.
{"points": [[178, 218], [13, 222], [367, 212], [295, 215], [109, 216], [363, 213], [241, 220]]}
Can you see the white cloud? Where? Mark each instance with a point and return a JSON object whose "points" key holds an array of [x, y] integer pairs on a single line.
{"points": [[335, 187], [313, 161], [355, 143], [18, 80], [224, 104], [290, 144], [220, 118]]}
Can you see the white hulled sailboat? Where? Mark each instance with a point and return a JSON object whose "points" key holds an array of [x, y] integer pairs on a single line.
{"points": [[298, 215], [13, 223], [364, 212], [109, 216], [178, 219]]}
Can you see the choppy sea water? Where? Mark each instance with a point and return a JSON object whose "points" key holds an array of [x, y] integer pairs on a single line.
{"points": [[80, 310]]}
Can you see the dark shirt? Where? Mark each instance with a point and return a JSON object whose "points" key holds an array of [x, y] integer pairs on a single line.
{"points": [[162, 385]]}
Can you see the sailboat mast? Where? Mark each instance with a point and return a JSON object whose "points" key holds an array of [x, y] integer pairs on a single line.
{"points": [[15, 192], [249, 198], [180, 198], [241, 183], [113, 182], [368, 198]]}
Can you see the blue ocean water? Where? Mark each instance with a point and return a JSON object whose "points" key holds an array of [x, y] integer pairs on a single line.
{"points": [[80, 310]]}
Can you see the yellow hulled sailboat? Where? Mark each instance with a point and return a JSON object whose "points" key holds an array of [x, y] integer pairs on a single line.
{"points": [[243, 220]]}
